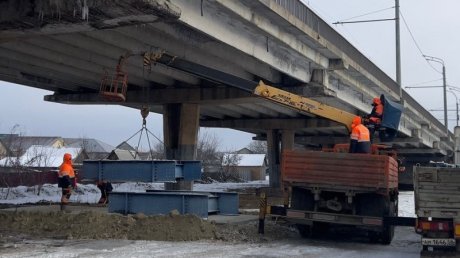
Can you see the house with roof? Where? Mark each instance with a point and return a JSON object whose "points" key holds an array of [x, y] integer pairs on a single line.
{"points": [[95, 149], [120, 154], [38, 156], [47, 151], [248, 167], [15, 145], [124, 151]]}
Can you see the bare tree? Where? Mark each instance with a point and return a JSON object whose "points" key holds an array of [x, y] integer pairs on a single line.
{"points": [[13, 149], [229, 167], [158, 151], [258, 147], [208, 149]]}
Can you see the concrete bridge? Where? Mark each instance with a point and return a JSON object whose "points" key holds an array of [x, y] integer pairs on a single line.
{"points": [[66, 47]]}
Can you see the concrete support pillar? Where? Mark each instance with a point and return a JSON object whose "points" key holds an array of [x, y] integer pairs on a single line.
{"points": [[287, 140], [457, 145], [273, 148], [180, 129]]}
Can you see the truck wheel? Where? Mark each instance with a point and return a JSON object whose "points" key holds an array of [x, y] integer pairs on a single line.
{"points": [[302, 199], [376, 206], [389, 231], [319, 229], [304, 230]]}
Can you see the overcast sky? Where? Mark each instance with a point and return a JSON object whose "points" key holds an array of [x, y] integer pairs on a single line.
{"points": [[435, 26]]}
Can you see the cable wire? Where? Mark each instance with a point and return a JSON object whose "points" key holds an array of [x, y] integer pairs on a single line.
{"points": [[421, 83], [381, 10], [416, 44]]}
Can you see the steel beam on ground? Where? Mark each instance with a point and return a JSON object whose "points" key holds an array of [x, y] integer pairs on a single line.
{"points": [[159, 203], [225, 203], [185, 202]]}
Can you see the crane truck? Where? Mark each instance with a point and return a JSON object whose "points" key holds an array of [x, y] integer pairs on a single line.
{"points": [[324, 188]]}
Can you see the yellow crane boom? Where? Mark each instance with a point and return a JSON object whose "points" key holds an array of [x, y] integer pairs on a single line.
{"points": [[303, 104]]}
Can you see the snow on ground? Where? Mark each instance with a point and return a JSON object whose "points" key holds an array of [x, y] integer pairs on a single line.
{"points": [[90, 193], [405, 244]]}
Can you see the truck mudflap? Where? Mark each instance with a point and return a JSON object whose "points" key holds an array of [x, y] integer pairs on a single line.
{"points": [[306, 217]]}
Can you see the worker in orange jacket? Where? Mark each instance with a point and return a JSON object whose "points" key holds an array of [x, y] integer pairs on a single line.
{"points": [[359, 138], [375, 117], [67, 179]]}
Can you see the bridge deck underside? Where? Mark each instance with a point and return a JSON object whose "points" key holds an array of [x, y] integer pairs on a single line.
{"points": [[253, 40]]}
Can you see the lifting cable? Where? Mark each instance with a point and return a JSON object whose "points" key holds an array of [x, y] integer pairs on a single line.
{"points": [[149, 58], [144, 113]]}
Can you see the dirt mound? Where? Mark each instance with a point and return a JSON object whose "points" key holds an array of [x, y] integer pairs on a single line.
{"points": [[96, 225]]}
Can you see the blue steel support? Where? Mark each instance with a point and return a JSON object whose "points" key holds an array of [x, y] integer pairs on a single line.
{"points": [[228, 203], [140, 170], [225, 203], [159, 203]]}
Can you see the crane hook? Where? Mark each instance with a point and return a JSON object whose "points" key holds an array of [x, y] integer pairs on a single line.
{"points": [[145, 110]]}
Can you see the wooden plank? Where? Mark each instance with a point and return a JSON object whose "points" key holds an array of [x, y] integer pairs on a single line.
{"points": [[437, 192], [339, 169], [439, 198], [435, 187], [438, 213], [438, 205]]}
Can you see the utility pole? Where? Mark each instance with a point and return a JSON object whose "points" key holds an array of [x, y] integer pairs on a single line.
{"points": [[398, 51], [398, 44], [458, 117], [444, 84]]}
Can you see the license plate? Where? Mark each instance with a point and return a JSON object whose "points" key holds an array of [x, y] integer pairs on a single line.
{"points": [[438, 241], [323, 217]]}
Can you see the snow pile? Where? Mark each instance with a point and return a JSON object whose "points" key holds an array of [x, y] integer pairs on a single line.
{"points": [[47, 193]]}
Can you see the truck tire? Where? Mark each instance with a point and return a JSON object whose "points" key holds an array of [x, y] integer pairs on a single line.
{"points": [[389, 231], [377, 206], [304, 230], [302, 199]]}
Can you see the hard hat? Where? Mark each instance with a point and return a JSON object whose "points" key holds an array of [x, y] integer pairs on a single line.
{"points": [[356, 121], [376, 101], [67, 157]]}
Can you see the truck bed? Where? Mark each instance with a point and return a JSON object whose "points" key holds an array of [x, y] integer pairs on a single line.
{"points": [[437, 192], [365, 172]]}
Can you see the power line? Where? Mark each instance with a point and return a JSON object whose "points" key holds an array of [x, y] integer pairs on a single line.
{"points": [[381, 10], [421, 83], [416, 44]]}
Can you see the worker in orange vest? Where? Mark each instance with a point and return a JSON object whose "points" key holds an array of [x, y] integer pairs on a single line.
{"points": [[67, 179], [359, 138], [105, 188], [375, 117]]}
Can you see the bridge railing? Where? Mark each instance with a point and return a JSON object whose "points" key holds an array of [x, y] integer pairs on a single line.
{"points": [[306, 15]]}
